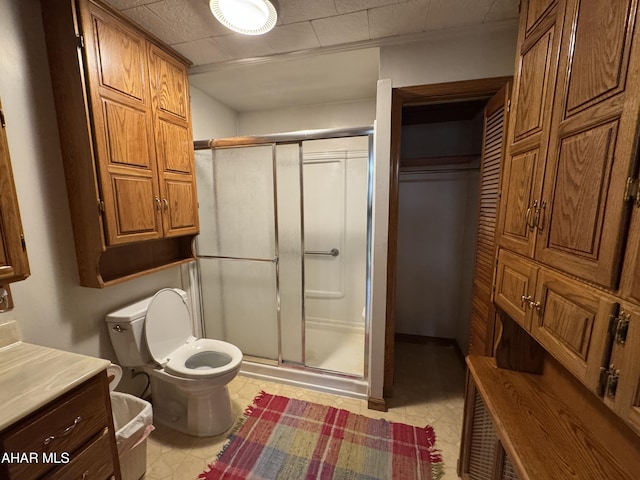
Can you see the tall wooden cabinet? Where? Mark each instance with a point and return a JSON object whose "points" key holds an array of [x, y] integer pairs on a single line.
{"points": [[567, 281], [122, 100], [569, 189], [14, 264]]}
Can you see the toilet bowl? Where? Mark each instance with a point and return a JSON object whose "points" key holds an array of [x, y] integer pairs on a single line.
{"points": [[188, 375]]}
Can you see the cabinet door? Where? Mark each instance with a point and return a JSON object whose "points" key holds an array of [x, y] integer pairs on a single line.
{"points": [[630, 279], [515, 287], [571, 322], [174, 146], [483, 313], [583, 214], [123, 127], [624, 398], [535, 73], [13, 256]]}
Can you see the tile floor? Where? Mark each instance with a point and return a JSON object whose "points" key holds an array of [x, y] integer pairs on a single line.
{"points": [[429, 388]]}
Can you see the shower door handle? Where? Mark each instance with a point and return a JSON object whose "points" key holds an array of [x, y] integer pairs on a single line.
{"points": [[334, 252]]}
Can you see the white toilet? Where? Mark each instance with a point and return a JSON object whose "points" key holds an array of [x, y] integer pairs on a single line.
{"points": [[189, 376]]}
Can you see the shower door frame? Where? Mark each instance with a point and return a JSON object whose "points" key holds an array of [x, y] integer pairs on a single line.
{"points": [[297, 138]]}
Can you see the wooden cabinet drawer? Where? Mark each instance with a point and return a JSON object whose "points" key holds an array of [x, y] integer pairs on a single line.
{"points": [[63, 427], [91, 462]]}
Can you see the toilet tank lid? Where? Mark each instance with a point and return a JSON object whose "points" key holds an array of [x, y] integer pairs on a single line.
{"points": [[129, 313]]}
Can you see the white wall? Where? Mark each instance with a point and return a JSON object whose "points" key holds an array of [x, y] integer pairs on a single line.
{"points": [[51, 308], [211, 118], [479, 52], [310, 117], [432, 232]]}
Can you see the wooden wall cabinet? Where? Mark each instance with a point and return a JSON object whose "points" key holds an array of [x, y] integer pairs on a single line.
{"points": [[568, 262], [569, 319], [534, 80], [122, 100], [573, 137], [562, 271], [14, 264]]}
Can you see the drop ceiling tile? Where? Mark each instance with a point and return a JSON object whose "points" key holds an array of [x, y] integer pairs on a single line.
{"points": [[400, 19], [244, 46], [193, 18], [348, 6], [295, 36], [293, 11], [352, 27], [453, 13], [203, 51], [502, 10], [156, 25]]}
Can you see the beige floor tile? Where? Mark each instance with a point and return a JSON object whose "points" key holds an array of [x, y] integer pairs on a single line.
{"points": [[429, 388]]}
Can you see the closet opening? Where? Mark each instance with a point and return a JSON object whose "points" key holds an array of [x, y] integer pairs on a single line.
{"points": [[437, 223]]}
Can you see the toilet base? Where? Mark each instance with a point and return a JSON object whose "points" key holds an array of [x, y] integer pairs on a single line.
{"points": [[205, 412]]}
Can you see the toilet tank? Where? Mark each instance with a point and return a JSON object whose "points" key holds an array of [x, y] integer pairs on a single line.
{"points": [[126, 330]]}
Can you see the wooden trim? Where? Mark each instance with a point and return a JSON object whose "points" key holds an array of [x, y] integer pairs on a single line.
{"points": [[378, 404], [392, 245], [480, 88], [516, 349], [437, 161], [483, 87]]}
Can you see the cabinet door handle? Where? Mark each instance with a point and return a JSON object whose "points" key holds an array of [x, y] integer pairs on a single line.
{"points": [[527, 299], [540, 217], [64, 433], [166, 204], [527, 216], [535, 305], [158, 205]]}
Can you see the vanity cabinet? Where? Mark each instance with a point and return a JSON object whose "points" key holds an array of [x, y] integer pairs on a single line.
{"points": [[14, 264], [122, 101], [71, 437]]}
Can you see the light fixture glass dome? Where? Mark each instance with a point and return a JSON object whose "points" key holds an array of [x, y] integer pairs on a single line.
{"points": [[249, 17]]}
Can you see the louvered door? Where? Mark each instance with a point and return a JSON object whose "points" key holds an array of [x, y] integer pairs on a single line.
{"points": [[482, 311]]}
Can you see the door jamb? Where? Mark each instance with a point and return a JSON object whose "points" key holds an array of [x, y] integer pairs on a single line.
{"points": [[439, 92]]}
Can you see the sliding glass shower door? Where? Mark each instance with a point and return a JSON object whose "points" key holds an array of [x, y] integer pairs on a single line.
{"points": [[283, 250]]}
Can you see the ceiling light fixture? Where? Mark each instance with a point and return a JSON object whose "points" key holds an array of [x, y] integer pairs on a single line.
{"points": [[249, 17]]}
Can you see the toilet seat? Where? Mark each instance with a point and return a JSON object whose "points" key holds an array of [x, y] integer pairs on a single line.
{"points": [[204, 358], [172, 345]]}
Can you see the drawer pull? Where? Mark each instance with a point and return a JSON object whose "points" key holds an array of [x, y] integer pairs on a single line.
{"points": [[66, 432]]}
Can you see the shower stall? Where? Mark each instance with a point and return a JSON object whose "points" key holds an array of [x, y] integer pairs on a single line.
{"points": [[284, 248]]}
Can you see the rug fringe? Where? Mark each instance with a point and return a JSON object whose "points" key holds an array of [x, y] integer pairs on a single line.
{"points": [[435, 455], [249, 410], [238, 425]]}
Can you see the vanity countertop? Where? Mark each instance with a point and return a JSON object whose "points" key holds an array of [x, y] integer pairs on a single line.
{"points": [[32, 376]]}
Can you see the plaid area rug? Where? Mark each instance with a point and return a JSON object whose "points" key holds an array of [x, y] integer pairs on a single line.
{"points": [[287, 439]]}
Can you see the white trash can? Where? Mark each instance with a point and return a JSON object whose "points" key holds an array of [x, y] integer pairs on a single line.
{"points": [[132, 420]]}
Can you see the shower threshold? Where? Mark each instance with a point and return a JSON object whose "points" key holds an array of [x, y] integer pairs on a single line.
{"points": [[327, 382]]}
